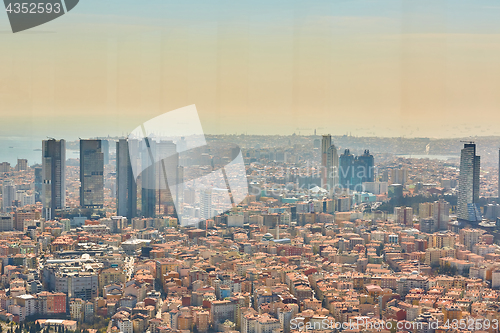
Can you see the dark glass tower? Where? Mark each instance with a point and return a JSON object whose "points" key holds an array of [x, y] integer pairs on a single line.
{"points": [[53, 177], [346, 162], [368, 163], [468, 186], [91, 174], [149, 183], [126, 187], [38, 184]]}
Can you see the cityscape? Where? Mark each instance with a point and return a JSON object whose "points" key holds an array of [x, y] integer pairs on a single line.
{"points": [[335, 233], [213, 166]]}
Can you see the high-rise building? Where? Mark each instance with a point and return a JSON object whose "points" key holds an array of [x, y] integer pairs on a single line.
{"points": [[428, 225], [6, 222], [346, 163], [5, 167], [38, 183], [399, 176], [22, 164], [166, 152], [441, 214], [148, 178], [105, 151], [354, 171], [91, 174], [368, 163], [332, 167], [468, 186], [8, 194], [326, 142], [53, 177], [403, 215], [126, 187], [206, 204]]}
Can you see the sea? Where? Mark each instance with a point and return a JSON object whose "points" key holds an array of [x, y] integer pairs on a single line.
{"points": [[431, 157], [13, 148]]}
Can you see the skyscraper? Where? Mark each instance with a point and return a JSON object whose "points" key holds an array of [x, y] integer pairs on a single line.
{"points": [[346, 164], [38, 183], [126, 187], [332, 167], [468, 187], [166, 152], [91, 174], [105, 151], [368, 163], [148, 178], [206, 204], [326, 142], [53, 177]]}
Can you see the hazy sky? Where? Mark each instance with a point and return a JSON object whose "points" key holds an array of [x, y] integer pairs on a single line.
{"points": [[387, 68]]}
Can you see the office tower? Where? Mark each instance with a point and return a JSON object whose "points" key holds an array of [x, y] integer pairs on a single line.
{"points": [[346, 163], [91, 174], [206, 204], [332, 167], [38, 183], [149, 183], [166, 152], [354, 171], [468, 187], [53, 177], [22, 164], [105, 151], [8, 195], [368, 163], [326, 142], [126, 187]]}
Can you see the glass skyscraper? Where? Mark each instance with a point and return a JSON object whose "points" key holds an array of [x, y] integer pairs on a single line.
{"points": [[53, 177], [91, 174], [468, 187], [126, 187]]}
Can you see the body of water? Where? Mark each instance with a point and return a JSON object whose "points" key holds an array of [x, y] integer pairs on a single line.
{"points": [[432, 157], [13, 148]]}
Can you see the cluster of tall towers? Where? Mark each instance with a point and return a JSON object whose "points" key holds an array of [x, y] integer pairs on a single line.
{"points": [[92, 160], [355, 170], [94, 155], [345, 171]]}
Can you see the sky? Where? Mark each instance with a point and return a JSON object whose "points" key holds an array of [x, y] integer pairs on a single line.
{"points": [[367, 68]]}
